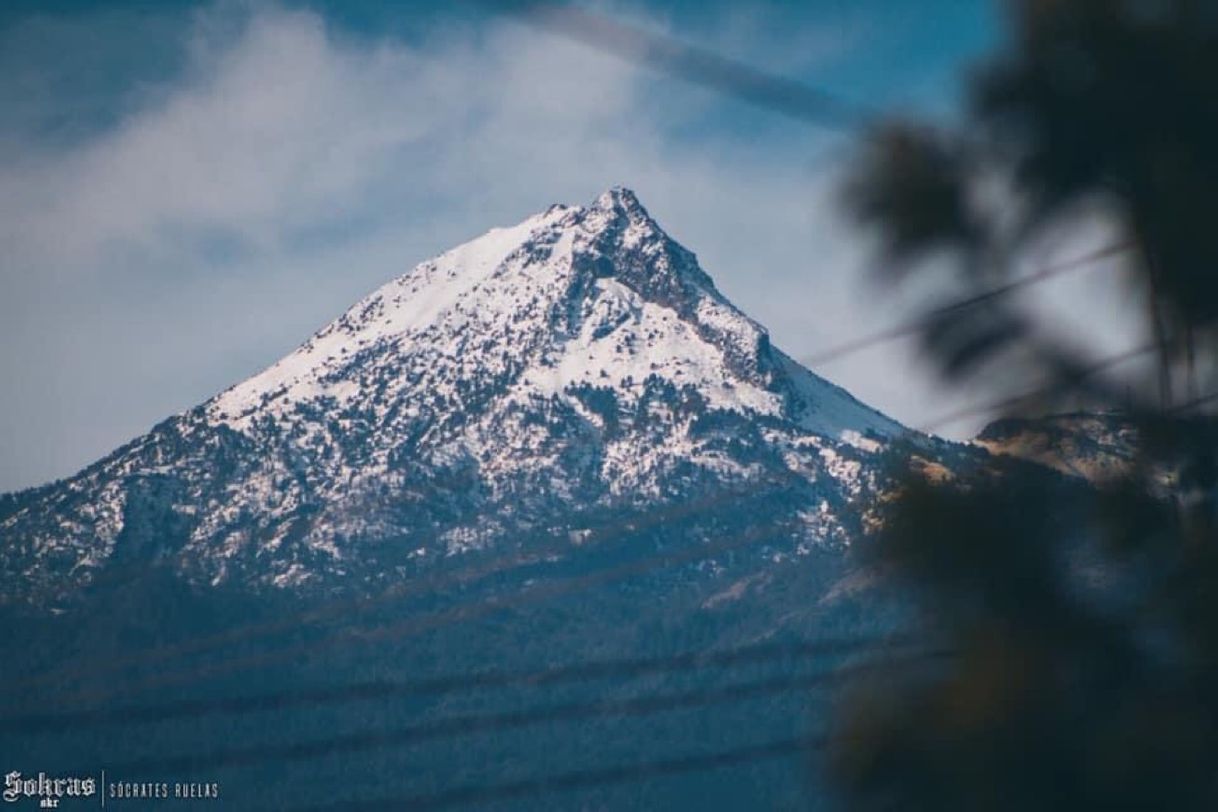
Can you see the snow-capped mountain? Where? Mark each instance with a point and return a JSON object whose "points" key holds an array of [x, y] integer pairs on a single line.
{"points": [[536, 382]]}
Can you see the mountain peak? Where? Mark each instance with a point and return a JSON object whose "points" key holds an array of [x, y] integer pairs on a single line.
{"points": [[575, 296], [619, 199], [618, 219], [579, 358]]}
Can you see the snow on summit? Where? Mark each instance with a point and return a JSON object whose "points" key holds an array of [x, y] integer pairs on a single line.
{"points": [[398, 310], [595, 296], [580, 362]]}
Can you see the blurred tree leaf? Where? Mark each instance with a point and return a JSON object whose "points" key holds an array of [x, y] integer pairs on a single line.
{"points": [[1083, 615]]}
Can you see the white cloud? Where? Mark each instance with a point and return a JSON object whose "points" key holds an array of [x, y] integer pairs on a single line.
{"points": [[276, 130]]}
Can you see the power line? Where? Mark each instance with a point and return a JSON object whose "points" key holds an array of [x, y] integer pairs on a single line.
{"points": [[343, 607], [1203, 400], [414, 626], [444, 685], [698, 66], [780, 94], [922, 322], [484, 794], [790, 97], [978, 410], [476, 723]]}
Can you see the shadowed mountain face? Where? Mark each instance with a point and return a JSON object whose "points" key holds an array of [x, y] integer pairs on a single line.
{"points": [[525, 390]]}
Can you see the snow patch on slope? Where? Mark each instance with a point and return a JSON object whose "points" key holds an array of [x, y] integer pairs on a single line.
{"points": [[399, 309]]}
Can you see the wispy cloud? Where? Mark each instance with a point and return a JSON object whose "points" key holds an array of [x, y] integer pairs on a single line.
{"points": [[275, 131]]}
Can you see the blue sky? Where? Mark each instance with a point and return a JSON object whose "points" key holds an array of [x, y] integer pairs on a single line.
{"points": [[188, 190]]}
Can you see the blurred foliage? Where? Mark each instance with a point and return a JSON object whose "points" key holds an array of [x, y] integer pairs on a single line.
{"points": [[1083, 617]]}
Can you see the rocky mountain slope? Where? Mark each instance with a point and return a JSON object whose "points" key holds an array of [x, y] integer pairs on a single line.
{"points": [[526, 388]]}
